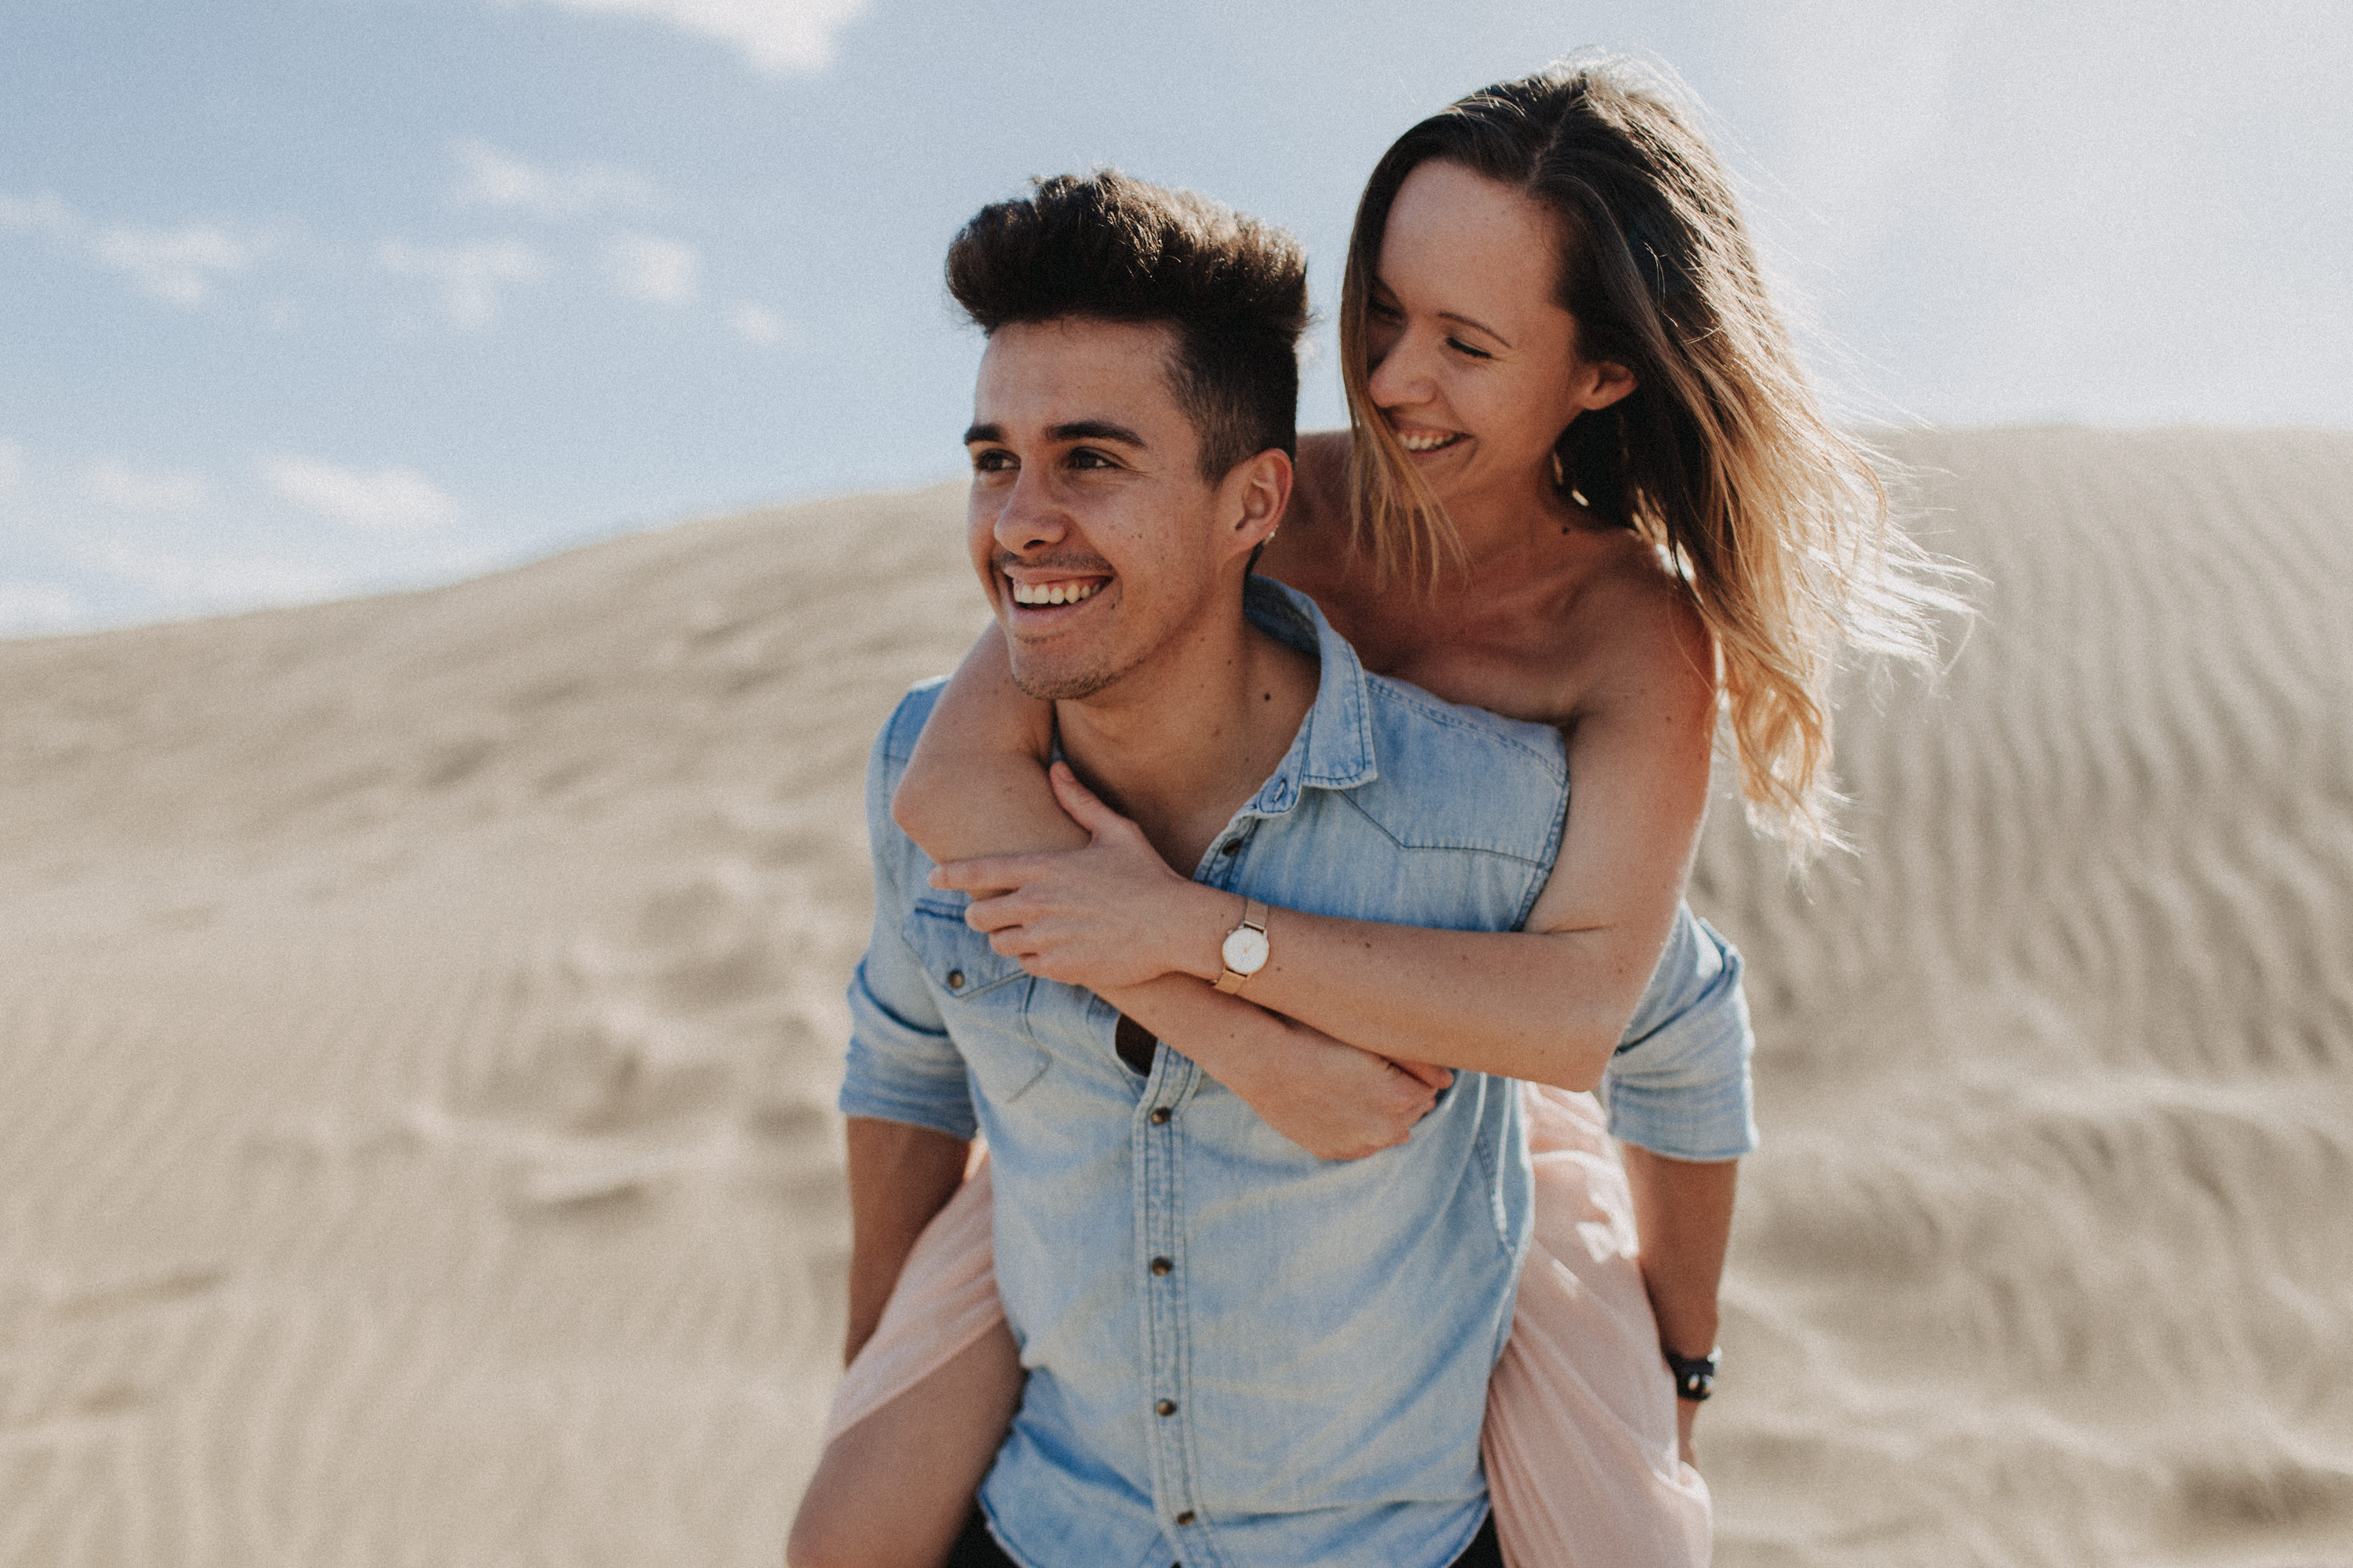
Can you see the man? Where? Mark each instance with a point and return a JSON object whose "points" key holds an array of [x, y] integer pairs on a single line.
{"points": [[1237, 1352]]}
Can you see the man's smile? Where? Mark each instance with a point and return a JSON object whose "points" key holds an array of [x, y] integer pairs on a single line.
{"points": [[1069, 592], [1040, 597]]}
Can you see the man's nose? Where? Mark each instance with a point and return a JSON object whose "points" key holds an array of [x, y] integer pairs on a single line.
{"points": [[1029, 519]]}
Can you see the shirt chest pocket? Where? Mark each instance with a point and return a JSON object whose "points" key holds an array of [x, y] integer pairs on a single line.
{"points": [[984, 996]]}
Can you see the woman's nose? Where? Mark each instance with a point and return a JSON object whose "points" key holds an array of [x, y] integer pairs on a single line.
{"points": [[1399, 375]]}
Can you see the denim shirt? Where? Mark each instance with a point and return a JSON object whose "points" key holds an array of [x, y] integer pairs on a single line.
{"points": [[1240, 1354]]}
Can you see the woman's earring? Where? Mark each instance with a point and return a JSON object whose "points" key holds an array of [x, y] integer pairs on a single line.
{"points": [[1560, 480]]}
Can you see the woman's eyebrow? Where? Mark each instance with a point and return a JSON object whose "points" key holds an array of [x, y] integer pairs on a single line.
{"points": [[1475, 325]]}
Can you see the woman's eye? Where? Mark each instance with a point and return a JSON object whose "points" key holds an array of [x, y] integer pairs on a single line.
{"points": [[1380, 313], [1461, 347]]}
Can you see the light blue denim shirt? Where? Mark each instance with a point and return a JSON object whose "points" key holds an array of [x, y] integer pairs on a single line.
{"points": [[1240, 1354]]}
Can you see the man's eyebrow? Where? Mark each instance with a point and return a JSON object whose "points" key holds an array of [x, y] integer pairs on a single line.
{"points": [[1095, 430], [1075, 430]]}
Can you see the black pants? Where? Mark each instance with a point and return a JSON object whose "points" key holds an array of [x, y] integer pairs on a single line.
{"points": [[976, 1548]]}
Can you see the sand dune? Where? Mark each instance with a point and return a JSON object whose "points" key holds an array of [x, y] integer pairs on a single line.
{"points": [[419, 1017]]}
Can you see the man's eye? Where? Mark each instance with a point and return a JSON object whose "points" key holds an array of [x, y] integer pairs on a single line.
{"points": [[1084, 459], [991, 461]]}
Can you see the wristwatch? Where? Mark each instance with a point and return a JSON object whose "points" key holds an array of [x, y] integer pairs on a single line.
{"points": [[1694, 1375], [1245, 950]]}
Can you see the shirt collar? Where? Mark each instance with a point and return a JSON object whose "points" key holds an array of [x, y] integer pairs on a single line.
{"points": [[1334, 747]]}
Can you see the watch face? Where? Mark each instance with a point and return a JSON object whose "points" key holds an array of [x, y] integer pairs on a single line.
{"points": [[1245, 950]]}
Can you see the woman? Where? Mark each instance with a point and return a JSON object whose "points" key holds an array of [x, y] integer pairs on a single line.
{"points": [[1586, 485]]}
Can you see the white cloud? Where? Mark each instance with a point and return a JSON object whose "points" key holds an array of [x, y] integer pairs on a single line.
{"points": [[31, 608], [488, 177], [470, 276], [388, 500], [660, 271], [128, 489], [774, 36], [760, 325], [180, 265], [45, 213]]}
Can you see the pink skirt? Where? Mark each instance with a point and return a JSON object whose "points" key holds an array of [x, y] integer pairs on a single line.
{"points": [[1580, 1437]]}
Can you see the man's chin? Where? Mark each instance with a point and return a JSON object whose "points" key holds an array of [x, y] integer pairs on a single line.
{"points": [[1057, 685], [1062, 680]]}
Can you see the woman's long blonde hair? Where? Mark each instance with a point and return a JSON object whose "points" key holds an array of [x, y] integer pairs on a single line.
{"points": [[1723, 455]]}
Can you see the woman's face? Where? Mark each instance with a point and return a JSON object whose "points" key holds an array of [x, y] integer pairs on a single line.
{"points": [[1474, 362]]}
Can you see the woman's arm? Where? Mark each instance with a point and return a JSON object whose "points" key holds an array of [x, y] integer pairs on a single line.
{"points": [[977, 784], [1548, 1004]]}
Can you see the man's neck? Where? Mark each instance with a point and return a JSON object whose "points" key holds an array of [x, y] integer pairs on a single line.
{"points": [[1179, 743]]}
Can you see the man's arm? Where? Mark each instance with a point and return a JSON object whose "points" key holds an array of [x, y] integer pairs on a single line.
{"points": [[900, 1176], [905, 1093], [1683, 1212]]}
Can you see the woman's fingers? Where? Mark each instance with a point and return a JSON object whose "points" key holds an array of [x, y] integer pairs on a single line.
{"points": [[1437, 1077], [989, 874], [1086, 807], [992, 914]]}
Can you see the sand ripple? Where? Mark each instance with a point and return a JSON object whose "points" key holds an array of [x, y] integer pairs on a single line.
{"points": [[419, 1017]]}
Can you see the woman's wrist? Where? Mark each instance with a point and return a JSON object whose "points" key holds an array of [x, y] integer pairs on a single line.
{"points": [[1198, 934]]}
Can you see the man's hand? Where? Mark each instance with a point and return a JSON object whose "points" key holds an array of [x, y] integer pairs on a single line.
{"points": [[1105, 917], [1331, 1098]]}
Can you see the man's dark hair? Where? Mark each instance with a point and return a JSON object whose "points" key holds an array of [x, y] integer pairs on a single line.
{"points": [[1110, 248]]}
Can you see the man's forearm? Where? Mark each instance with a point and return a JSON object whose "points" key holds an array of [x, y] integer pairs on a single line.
{"points": [[900, 1176], [1683, 1212]]}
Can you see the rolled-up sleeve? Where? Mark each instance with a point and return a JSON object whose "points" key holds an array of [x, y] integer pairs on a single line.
{"points": [[903, 1066], [1679, 1085]]}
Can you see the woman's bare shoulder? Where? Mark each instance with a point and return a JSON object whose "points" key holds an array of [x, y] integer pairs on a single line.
{"points": [[1314, 528], [1636, 633]]}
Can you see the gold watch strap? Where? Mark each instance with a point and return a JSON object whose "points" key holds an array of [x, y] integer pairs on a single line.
{"points": [[1253, 917]]}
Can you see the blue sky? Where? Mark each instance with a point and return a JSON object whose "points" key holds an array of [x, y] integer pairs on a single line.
{"points": [[322, 296]]}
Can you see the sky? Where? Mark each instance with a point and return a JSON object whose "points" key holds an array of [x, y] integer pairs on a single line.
{"points": [[311, 298]]}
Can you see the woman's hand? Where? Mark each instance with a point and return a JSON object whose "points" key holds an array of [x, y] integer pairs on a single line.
{"points": [[1329, 1098], [1105, 917], [1333, 1100]]}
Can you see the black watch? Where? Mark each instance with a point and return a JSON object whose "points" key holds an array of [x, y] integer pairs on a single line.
{"points": [[1694, 1375]]}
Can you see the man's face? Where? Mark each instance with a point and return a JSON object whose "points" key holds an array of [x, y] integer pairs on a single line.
{"points": [[1090, 522]]}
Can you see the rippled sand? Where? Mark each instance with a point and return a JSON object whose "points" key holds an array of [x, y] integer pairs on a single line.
{"points": [[420, 1018]]}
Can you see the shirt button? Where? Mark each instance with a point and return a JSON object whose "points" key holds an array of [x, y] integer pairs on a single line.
{"points": [[1166, 1408], [1184, 1518], [1231, 847], [1160, 1114], [1161, 1266], [955, 979]]}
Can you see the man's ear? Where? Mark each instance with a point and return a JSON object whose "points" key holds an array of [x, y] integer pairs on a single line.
{"points": [[1252, 497]]}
